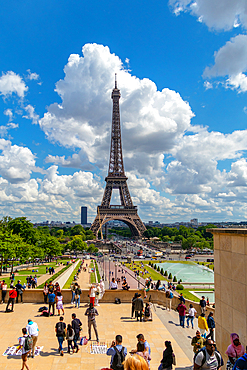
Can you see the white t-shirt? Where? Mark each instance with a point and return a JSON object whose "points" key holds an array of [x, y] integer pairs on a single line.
{"points": [[192, 312], [32, 329], [92, 292], [22, 343], [211, 362]]}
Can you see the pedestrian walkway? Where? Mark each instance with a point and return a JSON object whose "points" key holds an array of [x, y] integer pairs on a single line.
{"points": [[112, 320], [84, 276], [42, 279], [118, 270], [61, 279]]}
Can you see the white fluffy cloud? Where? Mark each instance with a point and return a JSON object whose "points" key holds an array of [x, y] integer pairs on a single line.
{"points": [[11, 83]]}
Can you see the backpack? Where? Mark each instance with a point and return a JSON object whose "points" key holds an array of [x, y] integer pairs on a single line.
{"points": [[217, 355], [117, 301], [146, 312], [118, 359], [171, 295], [60, 329], [28, 343], [43, 308], [46, 313]]}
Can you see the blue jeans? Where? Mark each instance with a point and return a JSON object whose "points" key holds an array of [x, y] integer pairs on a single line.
{"points": [[76, 337], [73, 297], [60, 342], [190, 319], [77, 302], [181, 319]]}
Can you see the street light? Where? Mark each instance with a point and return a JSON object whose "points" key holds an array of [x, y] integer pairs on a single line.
{"points": [[109, 271], [116, 271]]}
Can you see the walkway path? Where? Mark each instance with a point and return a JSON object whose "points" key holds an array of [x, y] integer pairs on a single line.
{"points": [[116, 272], [61, 280], [84, 276]]}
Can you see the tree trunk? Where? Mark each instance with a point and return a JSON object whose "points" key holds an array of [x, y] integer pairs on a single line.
{"points": [[1, 269], [12, 267]]}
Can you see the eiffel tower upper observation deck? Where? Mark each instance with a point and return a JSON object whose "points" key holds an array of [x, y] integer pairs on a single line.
{"points": [[116, 179]]}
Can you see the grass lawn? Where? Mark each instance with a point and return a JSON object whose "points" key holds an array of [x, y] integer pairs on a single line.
{"points": [[151, 272], [92, 274], [192, 297], [207, 264], [71, 278]]}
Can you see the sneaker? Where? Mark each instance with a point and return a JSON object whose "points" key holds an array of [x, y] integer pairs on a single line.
{"points": [[77, 349], [61, 353]]}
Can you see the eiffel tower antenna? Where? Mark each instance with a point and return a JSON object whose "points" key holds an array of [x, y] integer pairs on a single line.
{"points": [[116, 179]]}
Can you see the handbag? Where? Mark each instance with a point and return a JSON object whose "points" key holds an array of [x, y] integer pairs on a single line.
{"points": [[173, 359], [83, 341], [76, 296]]}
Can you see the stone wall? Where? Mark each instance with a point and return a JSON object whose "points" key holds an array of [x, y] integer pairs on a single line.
{"points": [[230, 278]]}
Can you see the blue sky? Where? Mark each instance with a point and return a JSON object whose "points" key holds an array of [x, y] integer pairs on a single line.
{"points": [[182, 74]]}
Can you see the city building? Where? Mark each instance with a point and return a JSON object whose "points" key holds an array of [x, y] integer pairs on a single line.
{"points": [[83, 215]]}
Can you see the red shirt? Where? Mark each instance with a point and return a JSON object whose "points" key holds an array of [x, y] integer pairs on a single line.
{"points": [[181, 309], [12, 293]]}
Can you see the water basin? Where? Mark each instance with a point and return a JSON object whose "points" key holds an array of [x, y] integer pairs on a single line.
{"points": [[189, 273]]}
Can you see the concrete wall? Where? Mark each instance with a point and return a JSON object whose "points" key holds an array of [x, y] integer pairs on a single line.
{"points": [[230, 278]]}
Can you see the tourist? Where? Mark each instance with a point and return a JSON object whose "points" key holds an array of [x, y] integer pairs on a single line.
{"points": [[70, 336], [25, 346], [203, 305], [167, 360], [92, 293], [125, 285], [241, 363], [234, 351], [141, 351], [76, 325], [208, 358], [197, 342], [181, 298], [51, 302], [140, 338], [91, 312], [162, 287], [113, 284], [11, 301], [202, 325], [117, 346], [135, 362], [72, 288], [19, 290], [133, 305], [191, 315], [4, 291], [45, 292], [33, 331], [59, 303], [211, 325], [169, 296], [148, 312], [181, 308], [138, 307], [157, 285], [102, 287], [97, 294], [207, 302], [57, 288], [77, 295], [60, 330]]}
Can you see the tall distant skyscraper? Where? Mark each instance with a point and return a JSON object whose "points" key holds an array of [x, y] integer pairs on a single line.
{"points": [[83, 215]]}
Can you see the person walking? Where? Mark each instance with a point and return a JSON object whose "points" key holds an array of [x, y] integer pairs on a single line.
{"points": [[138, 307], [91, 312], [203, 304], [241, 363], [25, 346], [70, 336], [51, 302], [140, 338], [208, 358], [76, 325], [45, 292], [33, 331], [133, 305], [59, 303], [167, 360], [141, 351], [11, 301], [181, 308], [202, 325], [4, 291], [97, 294], [211, 325], [234, 351], [60, 330], [19, 290], [191, 315], [117, 353], [77, 295], [197, 342], [169, 296]]}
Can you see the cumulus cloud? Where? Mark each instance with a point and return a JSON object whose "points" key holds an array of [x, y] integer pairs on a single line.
{"points": [[10, 83], [31, 114], [153, 119], [218, 15], [32, 75]]}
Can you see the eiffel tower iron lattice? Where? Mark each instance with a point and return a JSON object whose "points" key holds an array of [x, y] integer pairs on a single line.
{"points": [[116, 179]]}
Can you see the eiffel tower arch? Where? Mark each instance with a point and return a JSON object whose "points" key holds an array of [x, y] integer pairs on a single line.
{"points": [[116, 179]]}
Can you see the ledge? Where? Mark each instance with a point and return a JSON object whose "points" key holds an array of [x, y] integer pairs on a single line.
{"points": [[227, 231]]}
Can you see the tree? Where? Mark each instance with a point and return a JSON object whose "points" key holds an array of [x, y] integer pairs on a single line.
{"points": [[77, 244], [51, 246], [23, 227], [158, 269], [166, 274], [170, 276]]}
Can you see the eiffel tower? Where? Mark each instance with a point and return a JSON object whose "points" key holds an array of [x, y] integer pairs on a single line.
{"points": [[116, 179]]}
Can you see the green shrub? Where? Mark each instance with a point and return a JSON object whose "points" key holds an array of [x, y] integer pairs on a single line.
{"points": [[202, 263], [170, 276], [149, 263], [162, 271], [180, 287], [175, 279], [166, 274], [158, 269], [155, 267]]}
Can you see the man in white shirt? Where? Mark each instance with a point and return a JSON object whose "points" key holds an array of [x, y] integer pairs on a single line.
{"points": [[208, 358], [33, 330]]}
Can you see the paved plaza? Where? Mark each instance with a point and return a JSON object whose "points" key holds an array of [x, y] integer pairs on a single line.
{"points": [[112, 320]]}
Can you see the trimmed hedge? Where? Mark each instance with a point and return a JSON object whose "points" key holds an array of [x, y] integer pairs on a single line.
{"points": [[71, 278], [179, 287], [170, 276]]}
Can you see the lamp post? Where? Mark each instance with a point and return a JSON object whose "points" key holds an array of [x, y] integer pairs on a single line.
{"points": [[109, 271], [103, 267], [138, 279], [116, 271]]}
